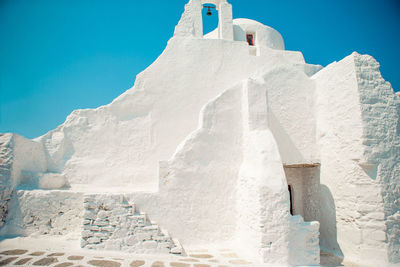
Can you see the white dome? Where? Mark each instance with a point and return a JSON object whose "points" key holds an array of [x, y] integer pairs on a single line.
{"points": [[264, 35]]}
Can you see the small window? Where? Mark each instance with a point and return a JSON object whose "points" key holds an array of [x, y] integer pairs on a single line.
{"points": [[250, 39]]}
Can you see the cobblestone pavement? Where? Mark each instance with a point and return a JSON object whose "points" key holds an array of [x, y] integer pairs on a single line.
{"points": [[194, 258]]}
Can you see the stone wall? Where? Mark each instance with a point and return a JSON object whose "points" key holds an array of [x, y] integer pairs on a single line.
{"points": [[42, 212], [357, 134], [6, 159], [110, 222], [380, 110]]}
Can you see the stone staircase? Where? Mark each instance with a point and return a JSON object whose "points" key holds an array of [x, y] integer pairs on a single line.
{"points": [[110, 222]]}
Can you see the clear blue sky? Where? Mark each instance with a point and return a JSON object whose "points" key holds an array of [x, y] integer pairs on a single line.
{"points": [[61, 55]]}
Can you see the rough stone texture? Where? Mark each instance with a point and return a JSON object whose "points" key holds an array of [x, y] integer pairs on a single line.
{"points": [[75, 258], [45, 261], [6, 188], [64, 264], [380, 111], [110, 222], [44, 213], [157, 264], [21, 160], [7, 261], [56, 254], [191, 23], [14, 252], [137, 263], [221, 179], [366, 174], [179, 264], [22, 261], [37, 253], [104, 263]]}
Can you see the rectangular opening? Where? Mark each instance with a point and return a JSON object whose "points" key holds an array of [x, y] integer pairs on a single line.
{"points": [[250, 39]]}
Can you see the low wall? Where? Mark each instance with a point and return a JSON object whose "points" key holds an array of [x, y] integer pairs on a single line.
{"points": [[110, 222]]}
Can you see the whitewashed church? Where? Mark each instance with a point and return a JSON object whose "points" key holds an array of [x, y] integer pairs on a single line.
{"points": [[226, 140]]}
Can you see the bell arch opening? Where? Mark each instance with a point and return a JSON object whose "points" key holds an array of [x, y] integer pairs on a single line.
{"points": [[210, 17]]}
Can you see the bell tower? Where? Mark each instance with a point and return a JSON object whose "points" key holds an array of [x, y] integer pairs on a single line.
{"points": [[191, 22]]}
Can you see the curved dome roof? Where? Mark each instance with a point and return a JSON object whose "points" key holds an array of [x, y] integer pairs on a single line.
{"points": [[265, 36]]}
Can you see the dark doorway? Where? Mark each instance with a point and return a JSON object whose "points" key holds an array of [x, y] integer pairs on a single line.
{"points": [[290, 198]]}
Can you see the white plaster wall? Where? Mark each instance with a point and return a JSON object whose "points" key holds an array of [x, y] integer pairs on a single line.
{"points": [[196, 202], [296, 182], [39, 212], [380, 111], [191, 22], [20, 159], [303, 242], [119, 145], [305, 191], [225, 25], [265, 36], [352, 208], [205, 198], [6, 163], [292, 114], [262, 190], [29, 159]]}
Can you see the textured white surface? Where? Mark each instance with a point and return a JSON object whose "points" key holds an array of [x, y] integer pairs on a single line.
{"points": [[110, 222], [199, 144], [39, 212], [359, 161], [96, 149]]}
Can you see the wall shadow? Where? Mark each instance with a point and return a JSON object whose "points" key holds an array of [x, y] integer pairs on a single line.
{"points": [[331, 254]]}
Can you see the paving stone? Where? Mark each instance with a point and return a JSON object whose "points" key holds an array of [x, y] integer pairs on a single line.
{"points": [[201, 265], [37, 253], [189, 260], [22, 261], [7, 261], [198, 250], [216, 261], [14, 252], [238, 262], [104, 263], [137, 263], [230, 255], [45, 261], [75, 258], [179, 264], [158, 264], [57, 254], [64, 264], [201, 256], [223, 266]]}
